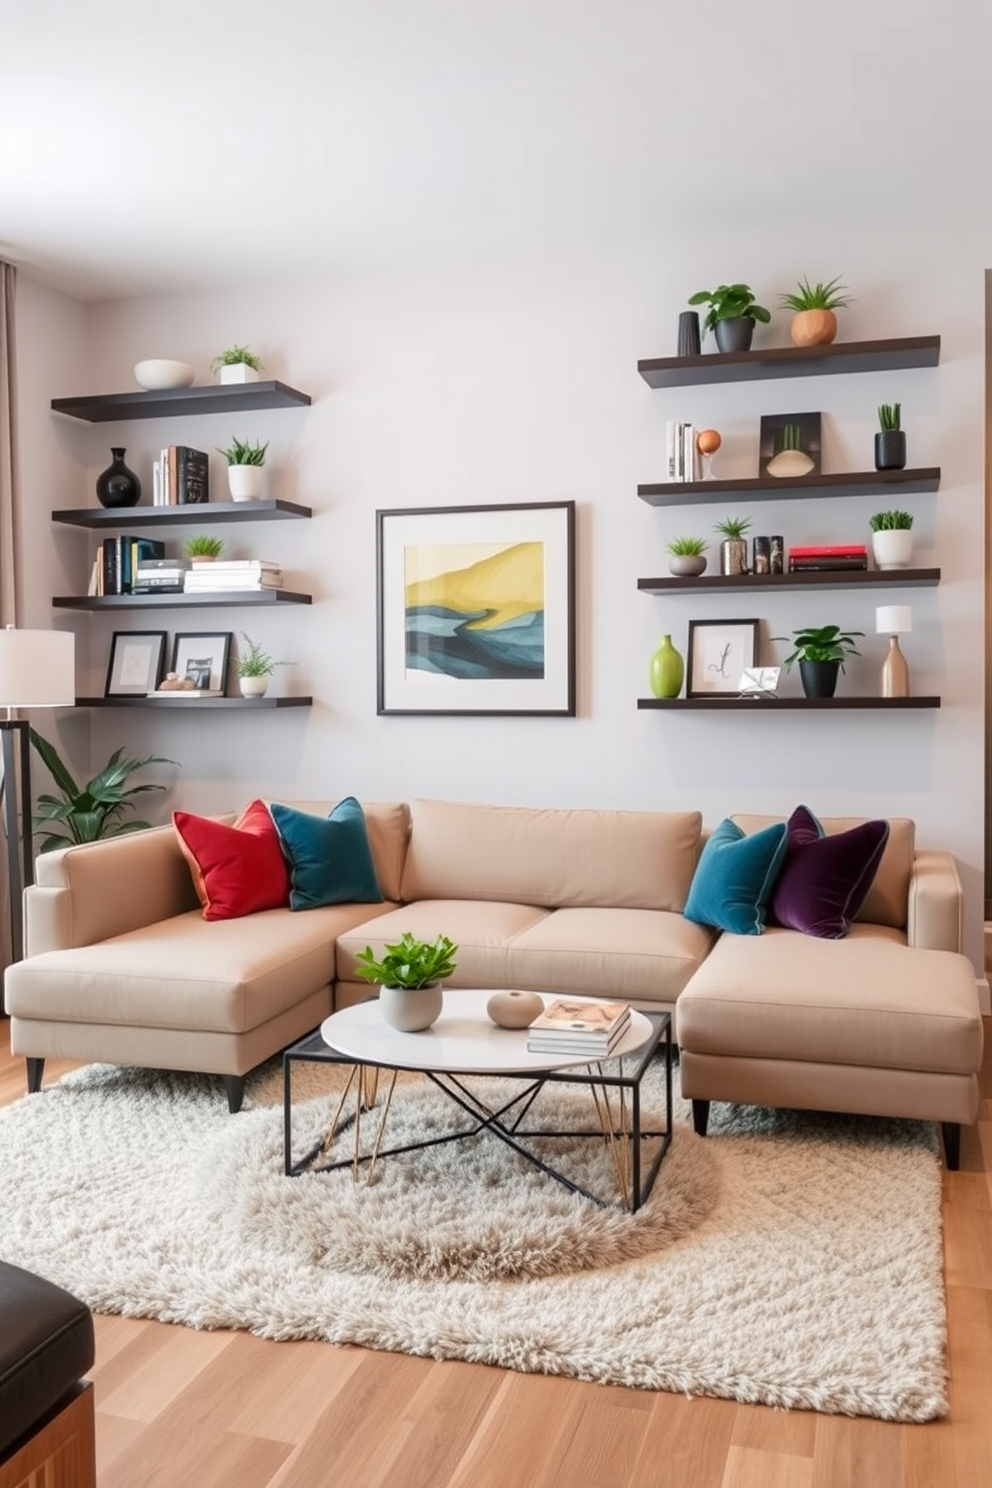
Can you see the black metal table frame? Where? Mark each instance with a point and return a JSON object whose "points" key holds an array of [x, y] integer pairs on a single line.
{"points": [[505, 1122]]}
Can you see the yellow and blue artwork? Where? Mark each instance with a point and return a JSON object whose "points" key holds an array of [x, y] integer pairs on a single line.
{"points": [[475, 610]]}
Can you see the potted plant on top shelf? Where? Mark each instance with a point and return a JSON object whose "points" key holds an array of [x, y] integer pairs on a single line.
{"points": [[244, 468], [814, 322], [237, 364], [821, 651], [731, 316], [409, 974]]}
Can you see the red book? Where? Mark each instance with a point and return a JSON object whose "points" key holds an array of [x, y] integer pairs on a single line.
{"points": [[842, 550]]}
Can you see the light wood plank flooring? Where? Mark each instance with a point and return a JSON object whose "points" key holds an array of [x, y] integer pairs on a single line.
{"points": [[222, 1410]]}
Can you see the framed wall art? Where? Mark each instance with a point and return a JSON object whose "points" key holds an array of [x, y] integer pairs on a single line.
{"points": [[476, 609], [137, 660], [720, 651], [202, 658], [790, 445]]}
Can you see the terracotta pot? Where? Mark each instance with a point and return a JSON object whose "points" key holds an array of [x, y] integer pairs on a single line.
{"points": [[813, 328]]}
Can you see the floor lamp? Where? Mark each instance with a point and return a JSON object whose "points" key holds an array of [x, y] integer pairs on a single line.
{"points": [[37, 670]]}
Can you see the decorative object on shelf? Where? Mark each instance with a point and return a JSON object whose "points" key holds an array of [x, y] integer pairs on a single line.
{"points": [[891, 539], [814, 322], [255, 667], [87, 813], [202, 659], [171, 682], [761, 555], [821, 651], [790, 445], [237, 364], [244, 468], [666, 670], [720, 651], [476, 609], [890, 441], [731, 316], [117, 485], [733, 548], [687, 557], [159, 373], [136, 661], [708, 441], [689, 338], [894, 621], [513, 1009], [409, 975], [776, 554], [204, 549]]}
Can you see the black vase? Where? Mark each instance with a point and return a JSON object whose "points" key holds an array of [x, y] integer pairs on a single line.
{"points": [[117, 485], [734, 335], [689, 343], [890, 449], [819, 678]]}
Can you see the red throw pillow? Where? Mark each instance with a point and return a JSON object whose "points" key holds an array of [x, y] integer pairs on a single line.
{"points": [[237, 870]]}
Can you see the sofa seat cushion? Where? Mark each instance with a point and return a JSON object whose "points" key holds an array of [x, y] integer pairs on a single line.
{"points": [[188, 973], [867, 1000], [639, 954], [483, 933]]}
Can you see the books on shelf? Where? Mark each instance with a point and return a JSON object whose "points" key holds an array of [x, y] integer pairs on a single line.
{"points": [[117, 562], [825, 557], [203, 581], [571, 1027], [682, 458], [160, 576], [181, 477]]}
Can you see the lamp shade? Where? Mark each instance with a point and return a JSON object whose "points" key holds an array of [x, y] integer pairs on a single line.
{"points": [[37, 668], [893, 620]]}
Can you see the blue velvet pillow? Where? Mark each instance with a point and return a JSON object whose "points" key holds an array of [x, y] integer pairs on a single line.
{"points": [[734, 878], [330, 861], [825, 880]]}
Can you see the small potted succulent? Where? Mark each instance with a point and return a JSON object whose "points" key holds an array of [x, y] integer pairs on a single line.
{"points": [[891, 539], [409, 974], [255, 666], [204, 549], [733, 548], [237, 364], [814, 322], [687, 557], [244, 468], [821, 652], [731, 316], [890, 441]]}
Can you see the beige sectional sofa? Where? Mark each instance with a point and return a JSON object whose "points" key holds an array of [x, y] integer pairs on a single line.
{"points": [[120, 966]]}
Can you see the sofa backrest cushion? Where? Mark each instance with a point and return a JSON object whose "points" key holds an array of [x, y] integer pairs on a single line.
{"points": [[329, 857], [888, 898], [554, 858], [237, 870], [388, 826], [825, 878], [733, 882]]}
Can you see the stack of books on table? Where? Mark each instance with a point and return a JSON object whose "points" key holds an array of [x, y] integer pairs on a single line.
{"points": [[238, 573], [160, 576], [844, 556], [566, 1027]]}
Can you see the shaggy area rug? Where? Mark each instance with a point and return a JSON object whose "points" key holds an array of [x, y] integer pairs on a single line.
{"points": [[787, 1259]]}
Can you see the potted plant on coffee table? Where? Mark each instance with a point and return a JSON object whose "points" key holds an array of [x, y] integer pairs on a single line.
{"points": [[821, 652], [731, 316], [409, 974], [244, 468], [814, 322]]}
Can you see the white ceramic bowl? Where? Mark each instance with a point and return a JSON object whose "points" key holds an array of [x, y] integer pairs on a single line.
{"points": [[161, 373]]}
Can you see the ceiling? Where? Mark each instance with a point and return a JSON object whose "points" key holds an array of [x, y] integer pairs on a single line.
{"points": [[150, 148]]}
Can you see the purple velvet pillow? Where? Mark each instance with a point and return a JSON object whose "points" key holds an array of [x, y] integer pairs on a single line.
{"points": [[825, 880]]}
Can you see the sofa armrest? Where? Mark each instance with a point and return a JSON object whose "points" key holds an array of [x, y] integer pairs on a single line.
{"points": [[935, 909]]}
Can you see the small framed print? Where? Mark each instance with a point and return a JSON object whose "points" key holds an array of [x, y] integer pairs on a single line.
{"points": [[720, 651], [201, 658], [790, 445], [137, 659]]}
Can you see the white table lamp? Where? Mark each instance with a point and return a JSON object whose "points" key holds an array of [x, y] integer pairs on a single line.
{"points": [[894, 621]]}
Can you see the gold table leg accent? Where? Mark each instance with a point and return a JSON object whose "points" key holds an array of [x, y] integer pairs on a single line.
{"points": [[333, 1128], [618, 1137], [382, 1127]]}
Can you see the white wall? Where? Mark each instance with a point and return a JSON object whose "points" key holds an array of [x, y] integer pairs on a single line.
{"points": [[504, 382]]}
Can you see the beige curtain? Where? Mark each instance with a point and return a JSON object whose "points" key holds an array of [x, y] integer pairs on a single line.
{"points": [[8, 525]]}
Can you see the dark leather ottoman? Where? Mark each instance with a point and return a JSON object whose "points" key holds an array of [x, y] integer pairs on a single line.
{"points": [[46, 1407]]}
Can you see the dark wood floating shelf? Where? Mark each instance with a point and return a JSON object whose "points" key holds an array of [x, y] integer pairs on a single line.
{"points": [[790, 704], [855, 483], [227, 598], [854, 578], [228, 397], [792, 361], [174, 516], [195, 705]]}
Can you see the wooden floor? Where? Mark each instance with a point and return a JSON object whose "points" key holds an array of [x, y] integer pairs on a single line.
{"points": [[222, 1410]]}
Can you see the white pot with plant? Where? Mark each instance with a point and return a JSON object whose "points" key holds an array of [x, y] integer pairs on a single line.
{"points": [[891, 539], [255, 667], [203, 549], [409, 976], [236, 364], [244, 468]]}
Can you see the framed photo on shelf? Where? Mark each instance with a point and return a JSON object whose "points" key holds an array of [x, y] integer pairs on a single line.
{"points": [[720, 651], [201, 657], [476, 609], [137, 661], [790, 445]]}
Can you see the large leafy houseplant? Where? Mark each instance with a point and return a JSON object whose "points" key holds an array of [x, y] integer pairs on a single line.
{"points": [[730, 302], [85, 813]]}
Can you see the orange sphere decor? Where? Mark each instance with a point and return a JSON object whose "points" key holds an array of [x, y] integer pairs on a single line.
{"points": [[708, 441]]}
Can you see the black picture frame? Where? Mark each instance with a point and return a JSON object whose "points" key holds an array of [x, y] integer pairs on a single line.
{"points": [[207, 652], [719, 652], [137, 662], [789, 446], [476, 610]]}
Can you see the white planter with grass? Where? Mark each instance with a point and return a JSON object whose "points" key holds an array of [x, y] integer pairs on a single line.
{"points": [[238, 372], [245, 482], [253, 687], [892, 548]]}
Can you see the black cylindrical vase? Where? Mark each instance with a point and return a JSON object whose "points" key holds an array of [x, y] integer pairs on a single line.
{"points": [[689, 342], [117, 485], [819, 678], [890, 449]]}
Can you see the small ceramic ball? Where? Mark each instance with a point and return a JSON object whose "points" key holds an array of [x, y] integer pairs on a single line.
{"points": [[708, 441], [514, 1009]]}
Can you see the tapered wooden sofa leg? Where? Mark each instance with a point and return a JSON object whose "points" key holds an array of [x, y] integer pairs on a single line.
{"points": [[35, 1073], [700, 1117], [952, 1144], [235, 1087]]}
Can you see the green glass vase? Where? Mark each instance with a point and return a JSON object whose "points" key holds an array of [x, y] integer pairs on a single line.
{"points": [[667, 670]]}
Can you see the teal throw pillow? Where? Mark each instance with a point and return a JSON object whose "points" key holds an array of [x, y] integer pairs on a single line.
{"points": [[734, 879], [330, 861]]}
